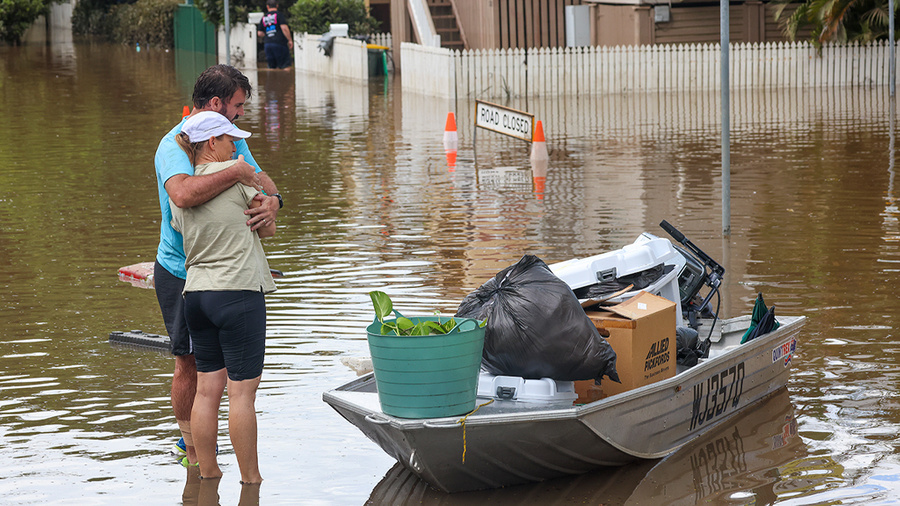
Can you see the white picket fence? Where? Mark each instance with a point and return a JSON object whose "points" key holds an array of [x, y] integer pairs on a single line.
{"points": [[508, 73], [349, 57], [381, 39]]}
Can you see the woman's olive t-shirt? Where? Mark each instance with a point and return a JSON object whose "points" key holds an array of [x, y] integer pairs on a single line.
{"points": [[222, 252]]}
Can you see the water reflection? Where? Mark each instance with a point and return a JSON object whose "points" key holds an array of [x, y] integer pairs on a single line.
{"points": [[371, 204], [755, 459]]}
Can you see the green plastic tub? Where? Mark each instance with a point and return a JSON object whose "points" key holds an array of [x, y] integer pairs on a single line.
{"points": [[427, 376]]}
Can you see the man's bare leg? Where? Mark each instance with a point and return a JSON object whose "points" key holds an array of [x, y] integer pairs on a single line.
{"points": [[184, 388]]}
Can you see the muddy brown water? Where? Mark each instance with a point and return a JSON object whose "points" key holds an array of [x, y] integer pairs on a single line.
{"points": [[372, 203]]}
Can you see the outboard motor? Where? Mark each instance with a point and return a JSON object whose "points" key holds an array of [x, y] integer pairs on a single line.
{"points": [[699, 270]]}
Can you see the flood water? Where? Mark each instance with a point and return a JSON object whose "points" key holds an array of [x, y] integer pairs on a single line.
{"points": [[371, 202]]}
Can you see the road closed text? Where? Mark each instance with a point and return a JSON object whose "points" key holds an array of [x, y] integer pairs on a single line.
{"points": [[505, 121]]}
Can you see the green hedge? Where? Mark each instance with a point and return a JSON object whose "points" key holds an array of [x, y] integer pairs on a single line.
{"points": [[148, 22], [315, 16], [16, 16]]}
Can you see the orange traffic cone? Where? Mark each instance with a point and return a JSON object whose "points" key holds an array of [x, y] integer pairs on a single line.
{"points": [[186, 111], [539, 144], [451, 141], [450, 134]]}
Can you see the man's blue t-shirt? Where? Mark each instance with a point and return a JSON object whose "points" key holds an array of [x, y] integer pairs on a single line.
{"points": [[171, 160]]}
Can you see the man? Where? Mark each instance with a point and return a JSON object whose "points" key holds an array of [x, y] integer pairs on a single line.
{"points": [[273, 29], [223, 89]]}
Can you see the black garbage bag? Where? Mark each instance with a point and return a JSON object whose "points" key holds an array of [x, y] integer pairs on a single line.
{"points": [[689, 349], [536, 328]]}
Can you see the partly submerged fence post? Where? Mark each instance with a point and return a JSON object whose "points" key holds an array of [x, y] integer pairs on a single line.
{"points": [[726, 119], [893, 43]]}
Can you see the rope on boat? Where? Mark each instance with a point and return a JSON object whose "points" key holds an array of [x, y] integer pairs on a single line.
{"points": [[462, 421]]}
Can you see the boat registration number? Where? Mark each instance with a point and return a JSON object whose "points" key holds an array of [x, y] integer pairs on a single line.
{"points": [[715, 396]]}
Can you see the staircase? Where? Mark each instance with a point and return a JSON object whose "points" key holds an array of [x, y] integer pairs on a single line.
{"points": [[443, 13]]}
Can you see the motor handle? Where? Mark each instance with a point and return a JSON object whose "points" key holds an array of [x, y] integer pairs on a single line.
{"points": [[706, 259], [678, 236]]}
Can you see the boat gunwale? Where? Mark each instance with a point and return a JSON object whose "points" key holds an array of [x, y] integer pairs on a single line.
{"points": [[790, 325]]}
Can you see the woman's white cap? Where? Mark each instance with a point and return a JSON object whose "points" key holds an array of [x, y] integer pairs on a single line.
{"points": [[201, 126]]}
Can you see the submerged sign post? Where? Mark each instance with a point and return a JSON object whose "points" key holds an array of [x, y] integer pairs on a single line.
{"points": [[504, 120]]}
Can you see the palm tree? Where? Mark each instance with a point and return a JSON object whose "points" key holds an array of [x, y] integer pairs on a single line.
{"points": [[836, 20]]}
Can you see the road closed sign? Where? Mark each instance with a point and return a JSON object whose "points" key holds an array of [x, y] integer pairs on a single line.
{"points": [[504, 120]]}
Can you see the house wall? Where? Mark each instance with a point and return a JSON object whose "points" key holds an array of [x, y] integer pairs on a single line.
{"points": [[481, 22], [699, 24], [629, 25], [500, 24], [401, 30], [531, 23], [618, 25]]}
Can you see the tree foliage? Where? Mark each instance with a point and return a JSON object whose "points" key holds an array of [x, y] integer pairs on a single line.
{"points": [[17, 15], [835, 20], [149, 22], [316, 16], [214, 10]]}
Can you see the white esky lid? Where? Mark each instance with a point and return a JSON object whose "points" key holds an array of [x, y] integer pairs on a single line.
{"points": [[201, 126]]}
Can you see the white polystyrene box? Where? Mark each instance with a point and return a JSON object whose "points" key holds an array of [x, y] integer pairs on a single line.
{"points": [[514, 388], [646, 252]]}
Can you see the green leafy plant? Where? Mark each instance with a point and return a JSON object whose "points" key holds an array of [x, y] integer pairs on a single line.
{"points": [[17, 15], [316, 16], [147, 22], [403, 326], [840, 21]]}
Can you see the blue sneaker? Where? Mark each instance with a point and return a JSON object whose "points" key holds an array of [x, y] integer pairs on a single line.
{"points": [[181, 449]]}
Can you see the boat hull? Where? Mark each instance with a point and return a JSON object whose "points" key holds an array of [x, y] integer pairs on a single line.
{"points": [[508, 442]]}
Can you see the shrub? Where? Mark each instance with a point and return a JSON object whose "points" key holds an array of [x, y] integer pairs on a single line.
{"points": [[90, 17], [315, 16], [214, 10], [17, 15], [149, 22]]}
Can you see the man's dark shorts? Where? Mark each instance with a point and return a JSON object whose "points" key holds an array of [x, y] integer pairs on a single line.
{"points": [[171, 303], [278, 56], [229, 331]]}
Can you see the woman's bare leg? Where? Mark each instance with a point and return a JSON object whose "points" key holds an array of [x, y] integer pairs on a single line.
{"points": [[205, 420], [242, 427]]}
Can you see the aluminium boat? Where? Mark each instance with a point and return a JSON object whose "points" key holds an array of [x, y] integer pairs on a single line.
{"points": [[508, 441]]}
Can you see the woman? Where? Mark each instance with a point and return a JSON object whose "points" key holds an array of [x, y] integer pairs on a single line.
{"points": [[224, 304]]}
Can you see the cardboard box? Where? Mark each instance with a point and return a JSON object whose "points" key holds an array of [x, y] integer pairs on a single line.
{"points": [[642, 333], [588, 391]]}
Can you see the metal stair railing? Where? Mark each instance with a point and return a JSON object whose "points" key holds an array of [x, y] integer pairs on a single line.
{"points": [[422, 23]]}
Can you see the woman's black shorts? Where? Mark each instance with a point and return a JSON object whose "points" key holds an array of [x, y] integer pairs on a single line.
{"points": [[228, 329]]}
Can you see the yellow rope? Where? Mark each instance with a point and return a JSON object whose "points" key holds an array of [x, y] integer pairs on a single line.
{"points": [[463, 422]]}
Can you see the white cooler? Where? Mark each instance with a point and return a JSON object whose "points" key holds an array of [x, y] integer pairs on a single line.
{"points": [[647, 252], [537, 391]]}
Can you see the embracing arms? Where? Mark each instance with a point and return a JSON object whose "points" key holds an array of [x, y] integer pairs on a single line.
{"points": [[189, 191]]}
